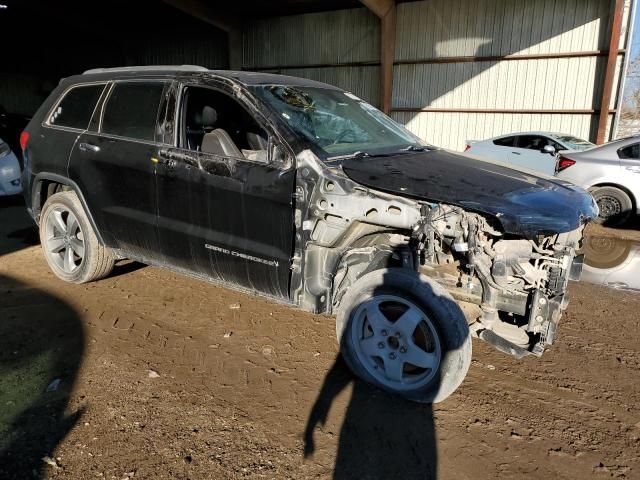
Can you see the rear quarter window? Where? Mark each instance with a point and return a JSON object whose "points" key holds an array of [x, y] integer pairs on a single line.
{"points": [[132, 110], [76, 107], [505, 141], [631, 151]]}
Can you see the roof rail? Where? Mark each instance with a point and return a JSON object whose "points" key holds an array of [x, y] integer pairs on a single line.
{"points": [[147, 68]]}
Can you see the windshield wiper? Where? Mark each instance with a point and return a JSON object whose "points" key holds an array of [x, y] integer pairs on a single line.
{"points": [[413, 148], [361, 154], [355, 155]]}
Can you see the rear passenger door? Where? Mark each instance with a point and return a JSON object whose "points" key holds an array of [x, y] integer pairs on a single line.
{"points": [[66, 121], [528, 153], [502, 148], [630, 163], [112, 164]]}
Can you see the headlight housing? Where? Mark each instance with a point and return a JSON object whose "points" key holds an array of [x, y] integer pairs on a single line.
{"points": [[9, 172]]}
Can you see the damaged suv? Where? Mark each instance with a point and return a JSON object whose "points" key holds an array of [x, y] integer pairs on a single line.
{"points": [[303, 193]]}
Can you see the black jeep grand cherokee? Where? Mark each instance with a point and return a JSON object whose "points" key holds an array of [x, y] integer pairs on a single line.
{"points": [[303, 193]]}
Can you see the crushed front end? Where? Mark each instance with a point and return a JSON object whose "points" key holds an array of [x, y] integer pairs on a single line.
{"points": [[518, 284]]}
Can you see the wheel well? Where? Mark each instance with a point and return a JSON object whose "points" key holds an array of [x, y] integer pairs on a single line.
{"points": [[619, 187], [43, 190], [370, 252]]}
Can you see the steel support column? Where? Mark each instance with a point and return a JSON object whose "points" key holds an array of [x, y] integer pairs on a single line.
{"points": [[607, 87], [385, 10]]}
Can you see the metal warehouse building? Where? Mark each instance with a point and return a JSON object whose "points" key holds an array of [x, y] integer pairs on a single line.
{"points": [[449, 70]]}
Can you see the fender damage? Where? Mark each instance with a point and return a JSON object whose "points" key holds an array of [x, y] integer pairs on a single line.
{"points": [[501, 241]]}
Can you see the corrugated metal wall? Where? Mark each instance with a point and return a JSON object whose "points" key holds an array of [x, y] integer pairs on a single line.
{"points": [[296, 45], [208, 48], [433, 30], [443, 31]]}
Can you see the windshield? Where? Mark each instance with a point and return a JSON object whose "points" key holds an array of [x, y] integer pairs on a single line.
{"points": [[337, 123], [573, 143]]}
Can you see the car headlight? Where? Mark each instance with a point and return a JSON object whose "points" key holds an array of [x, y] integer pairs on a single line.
{"points": [[4, 149], [9, 172]]}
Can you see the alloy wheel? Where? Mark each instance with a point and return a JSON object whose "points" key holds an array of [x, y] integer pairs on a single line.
{"points": [[64, 240], [396, 342]]}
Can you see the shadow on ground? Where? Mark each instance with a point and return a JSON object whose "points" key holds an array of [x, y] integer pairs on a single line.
{"points": [[17, 229], [382, 436], [405, 333], [41, 348]]}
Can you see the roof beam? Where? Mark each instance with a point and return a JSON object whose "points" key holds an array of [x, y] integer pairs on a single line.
{"points": [[380, 8], [204, 11], [385, 10]]}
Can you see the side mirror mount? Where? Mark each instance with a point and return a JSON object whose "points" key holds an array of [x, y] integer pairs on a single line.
{"points": [[550, 149], [279, 155]]}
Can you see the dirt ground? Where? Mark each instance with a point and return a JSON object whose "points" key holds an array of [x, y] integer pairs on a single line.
{"points": [[151, 375]]}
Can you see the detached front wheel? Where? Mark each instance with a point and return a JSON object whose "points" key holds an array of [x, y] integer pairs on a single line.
{"points": [[404, 333]]}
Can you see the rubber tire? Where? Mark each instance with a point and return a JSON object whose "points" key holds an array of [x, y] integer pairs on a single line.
{"points": [[622, 197], [98, 260], [443, 311]]}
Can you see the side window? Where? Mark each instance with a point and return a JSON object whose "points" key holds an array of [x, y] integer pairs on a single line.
{"points": [[76, 108], [531, 142], [216, 123], [505, 141], [132, 110], [632, 151]]}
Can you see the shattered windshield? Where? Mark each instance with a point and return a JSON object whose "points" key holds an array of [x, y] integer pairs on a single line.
{"points": [[337, 123]]}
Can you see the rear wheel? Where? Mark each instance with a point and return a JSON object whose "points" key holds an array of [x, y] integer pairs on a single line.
{"points": [[405, 334], [614, 204], [69, 244]]}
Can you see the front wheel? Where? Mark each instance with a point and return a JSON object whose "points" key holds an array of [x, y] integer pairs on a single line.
{"points": [[404, 333]]}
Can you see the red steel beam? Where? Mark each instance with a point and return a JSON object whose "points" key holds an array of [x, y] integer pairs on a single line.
{"points": [[607, 87], [385, 10]]}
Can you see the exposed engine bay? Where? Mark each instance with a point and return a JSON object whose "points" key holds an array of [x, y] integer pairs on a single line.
{"points": [[518, 283], [511, 289]]}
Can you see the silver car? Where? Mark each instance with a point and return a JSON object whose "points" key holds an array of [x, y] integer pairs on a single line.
{"points": [[532, 150], [611, 173]]}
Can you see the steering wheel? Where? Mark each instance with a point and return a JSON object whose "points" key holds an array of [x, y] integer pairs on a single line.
{"points": [[341, 135]]}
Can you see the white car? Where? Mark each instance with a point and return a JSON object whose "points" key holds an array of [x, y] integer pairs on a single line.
{"points": [[531, 150], [10, 183]]}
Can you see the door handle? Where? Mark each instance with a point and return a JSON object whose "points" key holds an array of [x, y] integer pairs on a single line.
{"points": [[633, 169], [516, 153], [171, 159], [89, 147]]}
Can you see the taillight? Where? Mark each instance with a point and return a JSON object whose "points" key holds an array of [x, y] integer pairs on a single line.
{"points": [[24, 138], [467, 147], [563, 162]]}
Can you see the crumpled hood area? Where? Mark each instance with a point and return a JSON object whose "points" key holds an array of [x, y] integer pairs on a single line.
{"points": [[525, 204]]}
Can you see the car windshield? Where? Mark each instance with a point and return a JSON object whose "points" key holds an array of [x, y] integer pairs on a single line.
{"points": [[574, 143], [337, 123]]}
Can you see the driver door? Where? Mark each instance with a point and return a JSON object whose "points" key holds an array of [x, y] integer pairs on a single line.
{"points": [[225, 215]]}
